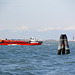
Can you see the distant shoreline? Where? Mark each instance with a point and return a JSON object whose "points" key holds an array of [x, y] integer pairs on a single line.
{"points": [[58, 40]]}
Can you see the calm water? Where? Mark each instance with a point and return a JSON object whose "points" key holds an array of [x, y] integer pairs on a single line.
{"points": [[36, 60]]}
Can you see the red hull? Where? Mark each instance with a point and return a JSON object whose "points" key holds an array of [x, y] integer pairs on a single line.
{"points": [[18, 42]]}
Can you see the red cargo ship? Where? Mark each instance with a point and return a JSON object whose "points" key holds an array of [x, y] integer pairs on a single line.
{"points": [[32, 41]]}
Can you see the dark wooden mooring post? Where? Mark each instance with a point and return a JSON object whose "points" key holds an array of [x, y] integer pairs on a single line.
{"points": [[66, 45], [63, 45]]}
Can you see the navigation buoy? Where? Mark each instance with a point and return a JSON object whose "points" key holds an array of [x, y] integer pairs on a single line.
{"points": [[63, 45]]}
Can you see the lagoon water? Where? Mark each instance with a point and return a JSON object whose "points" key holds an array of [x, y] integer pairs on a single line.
{"points": [[36, 60]]}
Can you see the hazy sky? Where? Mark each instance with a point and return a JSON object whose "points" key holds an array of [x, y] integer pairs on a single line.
{"points": [[43, 19]]}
